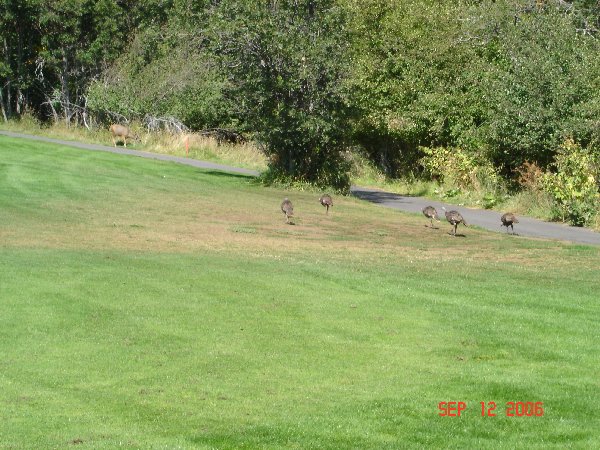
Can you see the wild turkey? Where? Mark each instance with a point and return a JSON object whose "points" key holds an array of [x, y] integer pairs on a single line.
{"points": [[326, 201], [431, 213], [287, 208], [507, 221], [454, 218]]}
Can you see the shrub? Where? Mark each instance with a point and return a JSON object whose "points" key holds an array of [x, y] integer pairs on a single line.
{"points": [[448, 165], [573, 184], [454, 167], [530, 176], [289, 61]]}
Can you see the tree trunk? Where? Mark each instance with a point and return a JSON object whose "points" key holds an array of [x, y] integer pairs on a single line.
{"points": [[66, 95], [2, 106], [20, 75], [51, 106], [8, 111], [291, 163]]}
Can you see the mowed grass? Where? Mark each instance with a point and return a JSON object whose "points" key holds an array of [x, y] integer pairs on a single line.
{"points": [[153, 305]]}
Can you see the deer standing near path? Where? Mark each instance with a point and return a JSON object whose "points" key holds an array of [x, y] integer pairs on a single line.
{"points": [[122, 132]]}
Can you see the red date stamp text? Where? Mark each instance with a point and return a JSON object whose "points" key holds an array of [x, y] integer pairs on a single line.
{"points": [[492, 409]]}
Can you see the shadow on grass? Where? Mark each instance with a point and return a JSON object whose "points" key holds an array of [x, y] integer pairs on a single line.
{"points": [[378, 197], [457, 235], [223, 174]]}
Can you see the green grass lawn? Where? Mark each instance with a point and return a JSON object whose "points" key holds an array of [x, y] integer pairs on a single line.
{"points": [[153, 305]]}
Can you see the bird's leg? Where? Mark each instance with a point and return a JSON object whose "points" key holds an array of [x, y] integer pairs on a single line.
{"points": [[327, 210], [512, 228]]}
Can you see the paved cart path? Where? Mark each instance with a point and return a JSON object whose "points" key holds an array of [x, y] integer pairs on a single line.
{"points": [[487, 219], [483, 218]]}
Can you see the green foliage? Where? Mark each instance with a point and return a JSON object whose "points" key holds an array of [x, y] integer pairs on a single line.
{"points": [[574, 184], [490, 200], [288, 60], [532, 87], [166, 71], [53, 49], [403, 83], [179, 82], [448, 165], [492, 77], [458, 173], [454, 167]]}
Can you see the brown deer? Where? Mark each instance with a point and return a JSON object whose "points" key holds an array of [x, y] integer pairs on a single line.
{"points": [[123, 132]]}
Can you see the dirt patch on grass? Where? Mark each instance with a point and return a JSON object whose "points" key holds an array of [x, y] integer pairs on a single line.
{"points": [[393, 237], [249, 221]]}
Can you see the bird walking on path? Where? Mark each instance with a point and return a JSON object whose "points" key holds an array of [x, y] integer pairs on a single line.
{"points": [[287, 208], [455, 219], [326, 201], [507, 221], [431, 213]]}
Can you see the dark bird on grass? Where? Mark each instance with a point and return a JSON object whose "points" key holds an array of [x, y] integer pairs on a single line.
{"points": [[507, 221], [454, 218], [287, 208], [326, 201], [431, 213]]}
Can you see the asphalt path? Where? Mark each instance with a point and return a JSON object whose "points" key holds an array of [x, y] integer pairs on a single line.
{"points": [[483, 218], [486, 219]]}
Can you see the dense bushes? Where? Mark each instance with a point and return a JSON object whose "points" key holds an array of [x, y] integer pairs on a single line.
{"points": [[454, 170], [573, 184], [286, 62], [193, 93], [504, 81]]}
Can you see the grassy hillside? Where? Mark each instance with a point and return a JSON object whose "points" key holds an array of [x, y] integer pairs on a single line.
{"points": [[153, 305]]}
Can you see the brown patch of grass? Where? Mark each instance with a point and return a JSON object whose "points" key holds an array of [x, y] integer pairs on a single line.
{"points": [[179, 222]]}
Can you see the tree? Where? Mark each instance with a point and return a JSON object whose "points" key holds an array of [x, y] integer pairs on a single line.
{"points": [[504, 81], [286, 62], [409, 80], [19, 44], [50, 50], [78, 38], [167, 71]]}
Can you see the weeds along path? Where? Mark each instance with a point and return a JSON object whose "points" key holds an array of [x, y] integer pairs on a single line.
{"points": [[126, 151], [489, 220]]}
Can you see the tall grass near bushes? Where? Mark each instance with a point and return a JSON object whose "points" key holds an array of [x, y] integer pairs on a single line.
{"points": [[199, 146]]}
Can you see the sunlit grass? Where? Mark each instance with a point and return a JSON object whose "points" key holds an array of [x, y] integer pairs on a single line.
{"points": [[153, 305]]}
